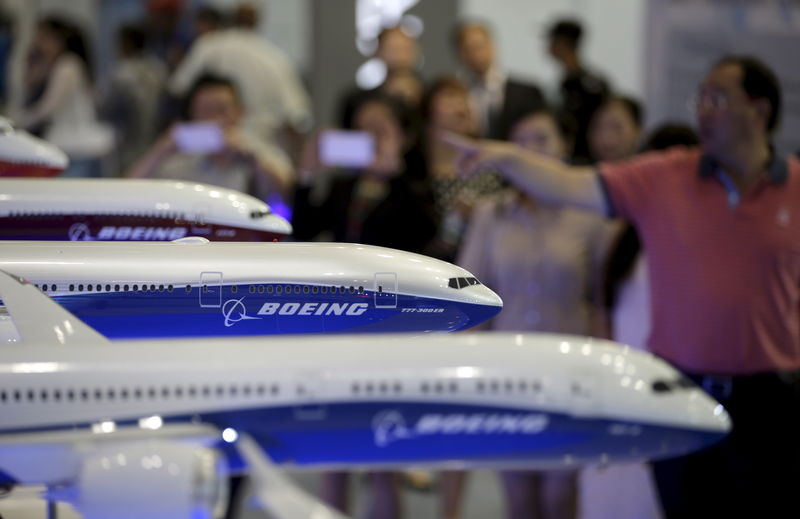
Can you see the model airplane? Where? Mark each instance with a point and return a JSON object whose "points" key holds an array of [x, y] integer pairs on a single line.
{"points": [[81, 209], [129, 290], [131, 430], [23, 155]]}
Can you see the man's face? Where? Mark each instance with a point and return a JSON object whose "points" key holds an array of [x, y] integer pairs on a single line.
{"points": [[559, 48], [398, 50], [727, 116], [216, 104], [476, 49]]}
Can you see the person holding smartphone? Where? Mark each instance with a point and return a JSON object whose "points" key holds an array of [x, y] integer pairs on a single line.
{"points": [[373, 198], [210, 146]]}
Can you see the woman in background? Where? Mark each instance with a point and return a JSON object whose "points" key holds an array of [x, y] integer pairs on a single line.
{"points": [[446, 107], [544, 262], [59, 103], [623, 491], [381, 203]]}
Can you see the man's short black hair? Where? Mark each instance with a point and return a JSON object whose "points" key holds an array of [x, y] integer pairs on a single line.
{"points": [[568, 29], [206, 80], [759, 82]]}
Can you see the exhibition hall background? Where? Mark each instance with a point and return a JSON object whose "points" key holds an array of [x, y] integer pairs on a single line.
{"points": [[655, 50]]}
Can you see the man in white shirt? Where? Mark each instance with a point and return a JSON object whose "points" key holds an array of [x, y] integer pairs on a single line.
{"points": [[273, 95]]}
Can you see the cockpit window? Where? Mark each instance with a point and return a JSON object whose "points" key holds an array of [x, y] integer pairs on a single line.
{"points": [[667, 386], [255, 215], [660, 386], [458, 283]]}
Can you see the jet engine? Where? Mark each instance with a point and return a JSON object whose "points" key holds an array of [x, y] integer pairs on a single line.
{"points": [[157, 480]]}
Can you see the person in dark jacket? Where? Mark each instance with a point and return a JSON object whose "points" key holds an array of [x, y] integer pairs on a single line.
{"points": [[499, 99], [382, 203]]}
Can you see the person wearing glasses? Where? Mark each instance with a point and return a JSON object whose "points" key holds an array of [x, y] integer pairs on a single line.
{"points": [[721, 223]]}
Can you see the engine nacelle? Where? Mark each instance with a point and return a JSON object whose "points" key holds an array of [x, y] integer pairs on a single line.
{"points": [[159, 479]]}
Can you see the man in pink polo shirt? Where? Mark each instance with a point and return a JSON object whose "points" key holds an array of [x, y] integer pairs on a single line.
{"points": [[721, 226]]}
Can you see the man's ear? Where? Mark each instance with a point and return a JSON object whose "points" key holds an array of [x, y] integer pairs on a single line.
{"points": [[763, 108]]}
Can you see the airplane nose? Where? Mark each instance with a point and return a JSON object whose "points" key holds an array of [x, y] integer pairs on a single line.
{"points": [[486, 296], [277, 224], [707, 414], [480, 295], [484, 304]]}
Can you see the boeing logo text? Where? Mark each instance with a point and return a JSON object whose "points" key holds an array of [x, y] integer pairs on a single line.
{"points": [[313, 309], [112, 233]]}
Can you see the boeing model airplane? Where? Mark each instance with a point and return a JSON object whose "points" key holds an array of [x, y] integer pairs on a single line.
{"points": [[82, 209], [23, 155], [132, 430], [201, 289]]}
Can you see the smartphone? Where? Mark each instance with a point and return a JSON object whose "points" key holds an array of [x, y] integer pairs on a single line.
{"points": [[348, 149], [199, 138]]}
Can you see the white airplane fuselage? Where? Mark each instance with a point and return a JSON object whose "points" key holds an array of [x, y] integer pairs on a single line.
{"points": [[493, 400], [138, 290], [79, 209]]}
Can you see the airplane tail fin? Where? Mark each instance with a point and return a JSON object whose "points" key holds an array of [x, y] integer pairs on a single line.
{"points": [[39, 319]]}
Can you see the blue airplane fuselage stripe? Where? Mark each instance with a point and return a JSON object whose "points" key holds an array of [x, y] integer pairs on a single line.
{"points": [[236, 311], [407, 432], [365, 433]]}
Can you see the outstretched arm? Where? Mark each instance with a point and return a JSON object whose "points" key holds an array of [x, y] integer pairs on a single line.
{"points": [[541, 177]]}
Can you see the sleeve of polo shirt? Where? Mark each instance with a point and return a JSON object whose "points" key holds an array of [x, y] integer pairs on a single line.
{"points": [[631, 186]]}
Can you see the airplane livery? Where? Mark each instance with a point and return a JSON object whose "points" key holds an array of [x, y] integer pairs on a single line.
{"points": [[79, 209], [83, 416], [194, 289]]}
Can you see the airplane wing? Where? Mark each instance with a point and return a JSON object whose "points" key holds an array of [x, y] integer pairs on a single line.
{"points": [[41, 320], [278, 495]]}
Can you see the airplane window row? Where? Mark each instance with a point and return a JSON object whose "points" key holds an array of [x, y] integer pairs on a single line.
{"points": [[138, 393], [440, 387], [269, 289], [382, 388], [60, 214], [297, 289], [89, 287], [508, 386], [462, 282]]}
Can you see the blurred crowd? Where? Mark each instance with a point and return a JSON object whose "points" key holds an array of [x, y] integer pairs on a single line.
{"points": [[223, 105]]}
